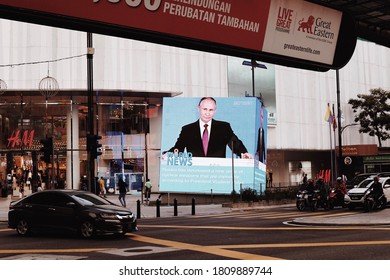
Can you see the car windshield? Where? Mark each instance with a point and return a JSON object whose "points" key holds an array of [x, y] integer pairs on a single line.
{"points": [[358, 179], [368, 183], [365, 184], [89, 199]]}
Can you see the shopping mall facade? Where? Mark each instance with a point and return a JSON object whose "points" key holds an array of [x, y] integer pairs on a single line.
{"points": [[131, 80]]}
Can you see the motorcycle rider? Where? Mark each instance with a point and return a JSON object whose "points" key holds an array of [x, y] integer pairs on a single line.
{"points": [[340, 190], [320, 185], [340, 186], [310, 189], [310, 186], [376, 189]]}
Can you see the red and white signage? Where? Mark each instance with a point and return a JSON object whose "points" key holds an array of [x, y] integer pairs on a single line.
{"points": [[261, 25], [302, 30]]}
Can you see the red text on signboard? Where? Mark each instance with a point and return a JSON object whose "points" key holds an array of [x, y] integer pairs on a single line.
{"points": [[19, 139]]}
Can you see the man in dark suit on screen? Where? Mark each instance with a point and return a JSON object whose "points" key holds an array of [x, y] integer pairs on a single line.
{"points": [[208, 137]]}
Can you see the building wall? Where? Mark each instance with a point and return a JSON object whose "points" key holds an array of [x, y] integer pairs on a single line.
{"points": [[302, 97]]}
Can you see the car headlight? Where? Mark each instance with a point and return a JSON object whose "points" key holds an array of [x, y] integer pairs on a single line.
{"points": [[108, 216], [122, 216]]}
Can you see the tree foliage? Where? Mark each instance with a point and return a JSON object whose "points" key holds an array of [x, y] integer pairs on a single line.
{"points": [[372, 111]]}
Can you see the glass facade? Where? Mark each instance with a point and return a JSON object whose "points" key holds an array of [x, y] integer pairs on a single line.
{"points": [[27, 118]]}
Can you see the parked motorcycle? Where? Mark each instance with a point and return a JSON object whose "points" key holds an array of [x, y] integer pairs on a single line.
{"points": [[336, 198], [370, 203], [302, 201], [316, 201], [309, 200]]}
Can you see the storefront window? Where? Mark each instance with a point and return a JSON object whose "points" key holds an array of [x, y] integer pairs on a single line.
{"points": [[123, 126], [26, 119], [298, 170]]}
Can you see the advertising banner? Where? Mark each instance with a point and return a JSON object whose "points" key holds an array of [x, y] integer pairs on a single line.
{"points": [[231, 22], [291, 28], [303, 30], [235, 126]]}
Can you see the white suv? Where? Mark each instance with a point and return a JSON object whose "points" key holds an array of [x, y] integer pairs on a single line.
{"points": [[355, 196]]}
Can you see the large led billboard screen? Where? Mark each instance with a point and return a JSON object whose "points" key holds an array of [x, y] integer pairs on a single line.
{"points": [[238, 124]]}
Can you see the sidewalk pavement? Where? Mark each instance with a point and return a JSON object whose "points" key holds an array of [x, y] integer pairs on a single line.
{"points": [[351, 218]]}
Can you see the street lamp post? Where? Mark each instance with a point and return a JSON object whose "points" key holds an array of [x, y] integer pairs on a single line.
{"points": [[91, 161], [254, 64], [344, 127], [340, 163]]}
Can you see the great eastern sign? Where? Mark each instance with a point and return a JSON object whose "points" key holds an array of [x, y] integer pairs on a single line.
{"points": [[288, 32]]}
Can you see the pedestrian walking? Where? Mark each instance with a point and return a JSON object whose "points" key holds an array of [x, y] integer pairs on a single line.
{"points": [[270, 180], [148, 190], [21, 190], [123, 189], [102, 187]]}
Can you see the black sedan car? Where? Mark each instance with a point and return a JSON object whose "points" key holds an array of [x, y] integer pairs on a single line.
{"points": [[69, 210]]}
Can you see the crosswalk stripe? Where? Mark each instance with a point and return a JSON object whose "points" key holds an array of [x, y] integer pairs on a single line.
{"points": [[204, 249], [278, 215]]}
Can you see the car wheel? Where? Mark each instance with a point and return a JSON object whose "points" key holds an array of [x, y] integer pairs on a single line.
{"points": [[87, 229], [22, 227]]}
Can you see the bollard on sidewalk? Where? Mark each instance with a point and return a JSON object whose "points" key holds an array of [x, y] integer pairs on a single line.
{"points": [[158, 202], [175, 207], [193, 207], [138, 209]]}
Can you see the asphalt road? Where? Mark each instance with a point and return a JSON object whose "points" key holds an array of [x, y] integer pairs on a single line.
{"points": [[262, 234]]}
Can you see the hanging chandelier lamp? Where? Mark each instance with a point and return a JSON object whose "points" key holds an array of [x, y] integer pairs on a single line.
{"points": [[48, 86]]}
